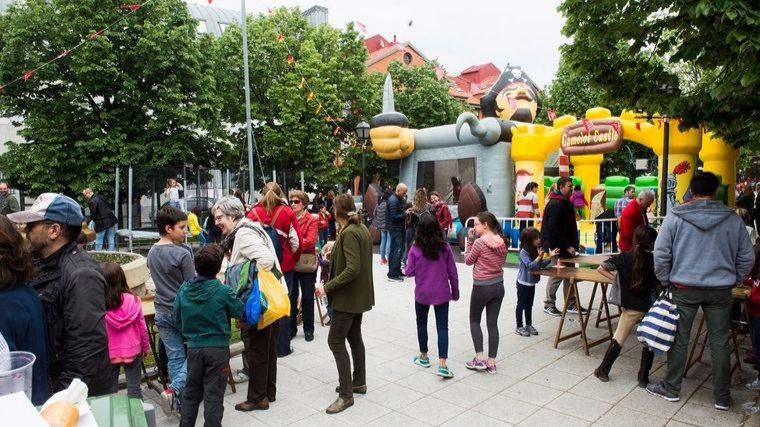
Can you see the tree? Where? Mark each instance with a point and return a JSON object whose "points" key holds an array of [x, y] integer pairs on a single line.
{"points": [[139, 93], [296, 129], [697, 59]]}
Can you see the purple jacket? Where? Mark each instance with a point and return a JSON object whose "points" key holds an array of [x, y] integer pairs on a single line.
{"points": [[436, 282]]}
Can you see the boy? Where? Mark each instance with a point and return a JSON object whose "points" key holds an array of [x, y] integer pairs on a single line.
{"points": [[202, 310], [171, 263]]}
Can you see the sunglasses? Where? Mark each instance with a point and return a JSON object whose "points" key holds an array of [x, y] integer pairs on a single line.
{"points": [[295, 202]]}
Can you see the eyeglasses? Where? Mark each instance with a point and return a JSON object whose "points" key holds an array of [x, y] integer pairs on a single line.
{"points": [[295, 202], [218, 218]]}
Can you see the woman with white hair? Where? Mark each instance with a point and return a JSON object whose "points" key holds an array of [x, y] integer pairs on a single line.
{"points": [[247, 241]]}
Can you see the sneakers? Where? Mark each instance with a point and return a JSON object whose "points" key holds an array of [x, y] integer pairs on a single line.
{"points": [[168, 402], [309, 336], [521, 331], [574, 309], [395, 279], [532, 330], [491, 369], [723, 406], [476, 364], [240, 377], [552, 311], [419, 361], [658, 389], [443, 371]]}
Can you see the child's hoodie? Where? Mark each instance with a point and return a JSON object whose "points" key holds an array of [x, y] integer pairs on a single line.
{"points": [[487, 254], [127, 332]]}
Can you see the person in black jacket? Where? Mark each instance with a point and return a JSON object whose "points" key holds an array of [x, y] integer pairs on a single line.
{"points": [[104, 219], [559, 231], [72, 291], [746, 200], [394, 222]]}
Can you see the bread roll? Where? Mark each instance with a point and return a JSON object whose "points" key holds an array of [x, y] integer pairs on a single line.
{"points": [[61, 414]]}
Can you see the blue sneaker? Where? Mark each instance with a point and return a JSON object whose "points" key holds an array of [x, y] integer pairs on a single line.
{"points": [[425, 363], [443, 371], [658, 389]]}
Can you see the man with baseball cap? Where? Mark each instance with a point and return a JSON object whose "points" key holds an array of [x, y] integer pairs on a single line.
{"points": [[72, 291]]}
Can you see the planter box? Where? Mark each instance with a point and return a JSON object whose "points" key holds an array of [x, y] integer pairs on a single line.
{"points": [[135, 268]]}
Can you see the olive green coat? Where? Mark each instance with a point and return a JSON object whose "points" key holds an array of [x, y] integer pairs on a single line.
{"points": [[350, 288]]}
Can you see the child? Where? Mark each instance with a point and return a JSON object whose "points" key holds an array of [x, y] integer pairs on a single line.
{"points": [[753, 309], [324, 224], [194, 227], [487, 254], [432, 264], [324, 272], [128, 338], [530, 259], [579, 202], [203, 309], [635, 271]]}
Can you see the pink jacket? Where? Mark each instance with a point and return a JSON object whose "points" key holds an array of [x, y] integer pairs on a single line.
{"points": [[127, 332], [487, 254]]}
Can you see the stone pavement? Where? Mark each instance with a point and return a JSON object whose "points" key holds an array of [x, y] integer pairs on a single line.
{"points": [[536, 385]]}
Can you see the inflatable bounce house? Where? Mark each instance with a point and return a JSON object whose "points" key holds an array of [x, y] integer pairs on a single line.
{"points": [[480, 162]]}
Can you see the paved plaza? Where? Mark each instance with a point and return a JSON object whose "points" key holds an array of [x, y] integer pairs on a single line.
{"points": [[536, 385]]}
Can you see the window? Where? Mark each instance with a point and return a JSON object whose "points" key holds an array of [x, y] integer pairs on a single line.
{"points": [[223, 26], [446, 176], [201, 28], [407, 58]]}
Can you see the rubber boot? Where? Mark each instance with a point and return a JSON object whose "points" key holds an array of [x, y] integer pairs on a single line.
{"points": [[603, 371], [647, 357]]}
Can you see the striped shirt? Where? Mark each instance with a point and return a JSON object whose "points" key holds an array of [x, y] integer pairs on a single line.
{"points": [[487, 254], [620, 206], [527, 206]]}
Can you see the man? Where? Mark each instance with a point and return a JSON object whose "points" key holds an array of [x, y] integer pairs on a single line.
{"points": [[559, 230], [394, 220], [8, 202], [170, 263], [634, 216], [104, 219], [621, 203], [703, 250], [72, 291]]}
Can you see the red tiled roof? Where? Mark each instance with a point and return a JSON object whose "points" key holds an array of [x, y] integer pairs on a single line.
{"points": [[376, 43], [474, 68]]}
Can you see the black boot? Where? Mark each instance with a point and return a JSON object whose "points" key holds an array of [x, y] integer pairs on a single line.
{"points": [[647, 357], [613, 351]]}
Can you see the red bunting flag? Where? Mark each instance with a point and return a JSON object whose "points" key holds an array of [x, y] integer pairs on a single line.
{"points": [[337, 129], [291, 59], [318, 109], [280, 38], [29, 74], [551, 113], [63, 54], [209, 1], [310, 96], [362, 27], [303, 82], [130, 7], [97, 34], [401, 48], [588, 125], [638, 126]]}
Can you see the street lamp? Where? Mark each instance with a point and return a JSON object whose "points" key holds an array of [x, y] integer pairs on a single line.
{"points": [[362, 134]]}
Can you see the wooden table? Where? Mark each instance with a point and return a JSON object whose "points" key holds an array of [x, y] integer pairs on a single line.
{"points": [[593, 260], [573, 276]]}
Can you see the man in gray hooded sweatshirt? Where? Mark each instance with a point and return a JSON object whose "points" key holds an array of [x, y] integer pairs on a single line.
{"points": [[703, 250]]}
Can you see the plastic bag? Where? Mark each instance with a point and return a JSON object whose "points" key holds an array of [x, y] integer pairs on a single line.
{"points": [[275, 303]]}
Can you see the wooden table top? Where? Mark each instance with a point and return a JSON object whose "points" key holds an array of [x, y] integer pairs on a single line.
{"points": [[596, 259], [148, 307], [579, 274]]}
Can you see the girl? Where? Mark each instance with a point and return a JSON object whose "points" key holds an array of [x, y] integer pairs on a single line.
{"points": [[635, 270], [420, 207], [432, 264], [527, 206], [753, 309], [530, 259], [172, 192], [127, 333], [487, 254], [579, 202]]}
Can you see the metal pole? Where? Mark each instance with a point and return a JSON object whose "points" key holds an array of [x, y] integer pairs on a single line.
{"points": [[116, 196], [665, 156], [129, 208], [363, 185], [248, 130], [302, 182], [274, 175]]}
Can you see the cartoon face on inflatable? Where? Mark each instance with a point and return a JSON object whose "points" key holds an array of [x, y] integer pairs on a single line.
{"points": [[514, 96]]}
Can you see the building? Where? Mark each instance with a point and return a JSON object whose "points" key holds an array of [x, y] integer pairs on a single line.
{"points": [[474, 82], [382, 52]]}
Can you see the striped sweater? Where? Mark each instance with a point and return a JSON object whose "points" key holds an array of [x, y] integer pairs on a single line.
{"points": [[527, 206], [487, 254]]}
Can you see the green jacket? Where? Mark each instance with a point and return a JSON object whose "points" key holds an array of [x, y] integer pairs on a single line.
{"points": [[350, 288], [202, 310]]}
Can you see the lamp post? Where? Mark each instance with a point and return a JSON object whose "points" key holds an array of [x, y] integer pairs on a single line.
{"points": [[362, 134]]}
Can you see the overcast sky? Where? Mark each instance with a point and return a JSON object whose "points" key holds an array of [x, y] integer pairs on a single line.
{"points": [[524, 33]]}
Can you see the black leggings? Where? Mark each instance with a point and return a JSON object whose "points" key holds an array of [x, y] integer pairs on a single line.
{"points": [[488, 298], [525, 296]]}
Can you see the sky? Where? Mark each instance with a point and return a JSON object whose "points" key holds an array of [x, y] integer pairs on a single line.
{"points": [[525, 33]]}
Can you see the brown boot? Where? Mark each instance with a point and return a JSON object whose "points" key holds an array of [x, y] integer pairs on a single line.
{"points": [[357, 389], [247, 406], [340, 405]]}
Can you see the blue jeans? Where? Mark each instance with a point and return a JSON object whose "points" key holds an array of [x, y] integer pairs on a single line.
{"points": [[394, 258], [175, 351], [305, 283], [107, 235], [384, 244], [323, 235], [175, 204], [283, 335], [441, 326], [202, 238]]}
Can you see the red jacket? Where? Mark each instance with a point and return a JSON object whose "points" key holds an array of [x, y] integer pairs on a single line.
{"points": [[285, 221], [442, 215], [630, 220], [307, 225], [324, 221], [753, 303]]}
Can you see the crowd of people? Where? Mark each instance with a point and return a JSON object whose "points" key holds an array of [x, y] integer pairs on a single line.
{"points": [[81, 321]]}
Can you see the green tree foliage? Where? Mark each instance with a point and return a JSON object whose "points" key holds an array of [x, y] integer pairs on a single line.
{"points": [[695, 59], [141, 94], [293, 136]]}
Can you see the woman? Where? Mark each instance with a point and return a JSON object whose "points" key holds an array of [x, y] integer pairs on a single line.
{"points": [[329, 206], [379, 221], [527, 206], [420, 207], [305, 271], [21, 315], [272, 212], [635, 275], [318, 200], [350, 292], [172, 192], [442, 213], [248, 241]]}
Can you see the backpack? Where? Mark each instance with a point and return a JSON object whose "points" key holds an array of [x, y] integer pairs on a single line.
{"points": [[271, 231]]}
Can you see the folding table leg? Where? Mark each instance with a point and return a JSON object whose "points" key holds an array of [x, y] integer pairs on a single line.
{"points": [[558, 337], [574, 290]]}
